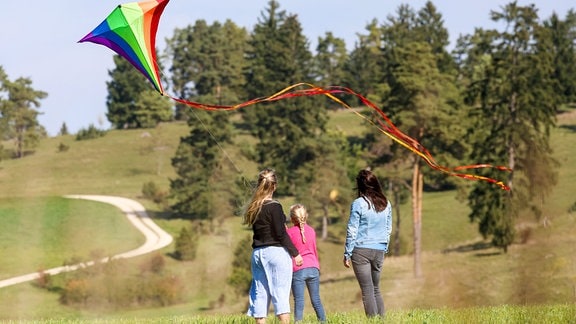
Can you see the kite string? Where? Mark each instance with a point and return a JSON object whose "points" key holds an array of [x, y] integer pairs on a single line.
{"points": [[220, 147], [217, 143]]}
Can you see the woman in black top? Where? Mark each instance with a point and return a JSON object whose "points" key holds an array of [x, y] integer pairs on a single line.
{"points": [[272, 252]]}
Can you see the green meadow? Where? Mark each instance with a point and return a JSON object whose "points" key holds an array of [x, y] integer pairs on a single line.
{"points": [[464, 279]]}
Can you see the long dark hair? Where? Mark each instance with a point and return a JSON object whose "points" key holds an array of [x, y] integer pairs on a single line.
{"points": [[369, 188]]}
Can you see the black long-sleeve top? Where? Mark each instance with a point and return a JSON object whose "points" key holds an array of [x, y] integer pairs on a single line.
{"points": [[270, 229]]}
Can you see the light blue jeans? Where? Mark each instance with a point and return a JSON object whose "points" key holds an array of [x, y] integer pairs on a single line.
{"points": [[271, 278], [307, 277]]}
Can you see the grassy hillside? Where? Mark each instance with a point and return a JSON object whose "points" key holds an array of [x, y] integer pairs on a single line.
{"points": [[460, 270]]}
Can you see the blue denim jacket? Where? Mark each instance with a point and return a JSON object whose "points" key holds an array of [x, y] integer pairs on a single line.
{"points": [[366, 227]]}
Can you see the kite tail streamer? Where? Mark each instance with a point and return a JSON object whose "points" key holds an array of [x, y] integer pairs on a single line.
{"points": [[384, 124]]}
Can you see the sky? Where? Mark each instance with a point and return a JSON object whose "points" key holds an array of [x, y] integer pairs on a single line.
{"points": [[39, 39]]}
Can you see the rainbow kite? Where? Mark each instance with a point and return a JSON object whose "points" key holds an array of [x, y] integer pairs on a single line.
{"points": [[130, 31]]}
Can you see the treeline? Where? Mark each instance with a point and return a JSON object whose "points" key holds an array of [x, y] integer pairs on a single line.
{"points": [[492, 99]]}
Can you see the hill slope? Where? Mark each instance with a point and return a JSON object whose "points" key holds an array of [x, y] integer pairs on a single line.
{"points": [[459, 269]]}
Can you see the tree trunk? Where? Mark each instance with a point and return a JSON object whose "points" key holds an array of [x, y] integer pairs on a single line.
{"points": [[396, 192], [417, 188], [511, 149], [325, 223]]}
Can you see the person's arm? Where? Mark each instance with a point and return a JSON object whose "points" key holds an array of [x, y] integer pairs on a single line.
{"points": [[279, 231], [389, 224], [352, 231]]}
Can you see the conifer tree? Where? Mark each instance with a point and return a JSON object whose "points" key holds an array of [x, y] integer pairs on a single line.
{"points": [[418, 92], [510, 89], [279, 57], [18, 114], [562, 34], [63, 130], [206, 70], [125, 86], [329, 61]]}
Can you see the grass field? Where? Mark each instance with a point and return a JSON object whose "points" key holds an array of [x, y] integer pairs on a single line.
{"points": [[464, 280]]}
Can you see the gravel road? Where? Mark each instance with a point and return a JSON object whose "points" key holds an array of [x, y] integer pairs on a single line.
{"points": [[156, 237]]}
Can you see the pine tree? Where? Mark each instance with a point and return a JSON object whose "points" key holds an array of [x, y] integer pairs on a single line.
{"points": [[63, 130], [562, 34], [278, 57], [206, 70], [208, 63], [197, 162], [18, 114], [364, 69], [186, 245], [131, 102], [418, 92], [329, 61], [150, 109], [510, 88]]}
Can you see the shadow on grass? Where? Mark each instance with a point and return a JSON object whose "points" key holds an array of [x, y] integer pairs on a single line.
{"points": [[338, 279], [161, 215], [488, 254], [571, 128], [478, 246]]}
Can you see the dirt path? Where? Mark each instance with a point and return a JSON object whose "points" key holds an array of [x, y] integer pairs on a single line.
{"points": [[156, 237]]}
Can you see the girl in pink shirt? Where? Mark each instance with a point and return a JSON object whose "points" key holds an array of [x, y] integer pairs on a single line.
{"points": [[308, 274]]}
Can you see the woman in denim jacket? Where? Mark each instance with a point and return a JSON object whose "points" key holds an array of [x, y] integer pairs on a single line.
{"points": [[367, 238]]}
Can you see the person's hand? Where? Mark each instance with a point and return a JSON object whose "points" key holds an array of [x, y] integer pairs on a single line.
{"points": [[298, 259], [346, 262]]}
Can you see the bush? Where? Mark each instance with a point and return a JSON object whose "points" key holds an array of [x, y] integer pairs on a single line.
{"points": [[572, 208], [76, 291], [241, 276], [63, 147], [118, 284], [91, 133], [152, 192], [186, 245], [156, 264], [44, 280]]}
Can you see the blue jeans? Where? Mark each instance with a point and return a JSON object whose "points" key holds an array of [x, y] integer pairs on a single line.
{"points": [[367, 265], [311, 278], [271, 278]]}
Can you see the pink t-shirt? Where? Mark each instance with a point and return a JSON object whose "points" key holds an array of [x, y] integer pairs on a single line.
{"points": [[307, 250]]}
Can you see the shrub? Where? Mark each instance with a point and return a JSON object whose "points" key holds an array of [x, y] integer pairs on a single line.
{"points": [[63, 147], [241, 276], [117, 284], [156, 264], [76, 291], [152, 192], [186, 245], [90, 133], [572, 208], [44, 280]]}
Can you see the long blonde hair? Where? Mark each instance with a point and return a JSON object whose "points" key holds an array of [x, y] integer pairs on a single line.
{"points": [[264, 189], [299, 215]]}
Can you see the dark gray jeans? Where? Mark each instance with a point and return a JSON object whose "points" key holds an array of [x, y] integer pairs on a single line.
{"points": [[367, 265]]}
